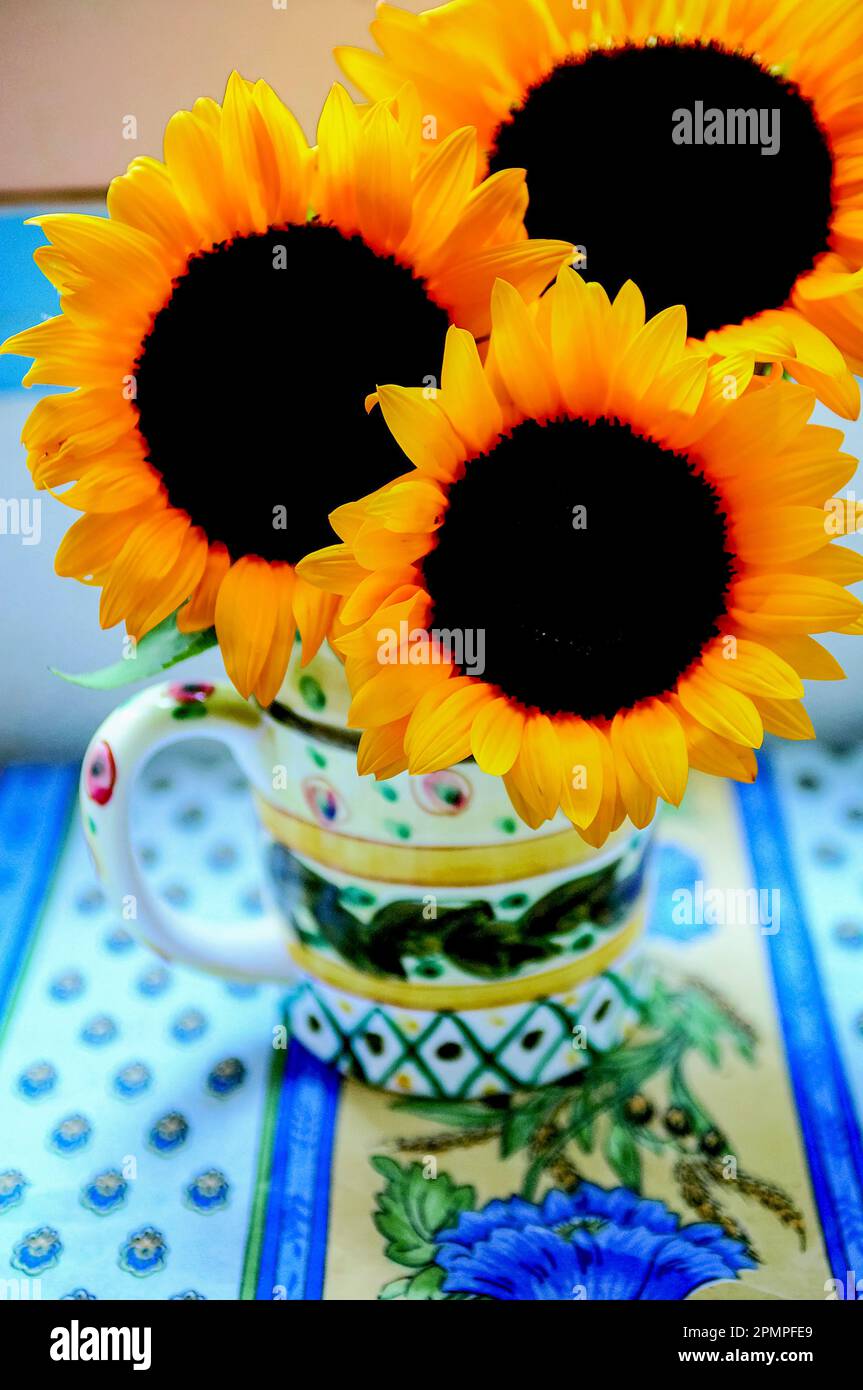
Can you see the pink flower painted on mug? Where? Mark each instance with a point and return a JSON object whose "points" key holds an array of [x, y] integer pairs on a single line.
{"points": [[190, 699], [190, 694], [323, 801], [445, 793], [101, 774]]}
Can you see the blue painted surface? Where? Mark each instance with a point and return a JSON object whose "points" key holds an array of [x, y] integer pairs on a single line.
{"points": [[34, 811], [294, 1250], [825, 1107]]}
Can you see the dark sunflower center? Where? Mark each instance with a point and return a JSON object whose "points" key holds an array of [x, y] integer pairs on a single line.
{"points": [[593, 562], [719, 227], [250, 385]]}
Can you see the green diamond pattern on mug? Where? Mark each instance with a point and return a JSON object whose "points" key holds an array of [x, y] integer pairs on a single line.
{"points": [[451, 1053], [537, 1037], [474, 1052], [311, 1024], [378, 1047]]}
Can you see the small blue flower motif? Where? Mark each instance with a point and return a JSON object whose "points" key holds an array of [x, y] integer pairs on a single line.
{"points": [[105, 1192], [188, 1026], [241, 989], [37, 1251], [71, 1134], [90, 900], [119, 940], [169, 1133], [69, 985], [145, 1252], [133, 1080], [78, 1296], [12, 1187], [154, 981], [37, 1080], [187, 1295], [226, 1077], [588, 1244], [208, 1191], [99, 1030]]}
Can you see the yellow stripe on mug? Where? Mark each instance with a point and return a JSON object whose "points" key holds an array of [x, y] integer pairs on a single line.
{"points": [[414, 994], [452, 866]]}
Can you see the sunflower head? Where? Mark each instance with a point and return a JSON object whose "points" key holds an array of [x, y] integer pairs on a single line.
{"points": [[200, 325], [710, 151], [604, 568]]}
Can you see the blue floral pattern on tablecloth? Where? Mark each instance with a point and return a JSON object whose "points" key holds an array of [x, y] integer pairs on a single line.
{"points": [[135, 1107], [587, 1244]]}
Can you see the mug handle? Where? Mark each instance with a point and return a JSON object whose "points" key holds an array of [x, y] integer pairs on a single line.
{"points": [[126, 741]]}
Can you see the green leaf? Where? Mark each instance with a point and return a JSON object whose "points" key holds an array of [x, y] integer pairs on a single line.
{"points": [[413, 1208], [162, 648], [581, 1126], [427, 1284], [396, 1288], [468, 1114], [522, 1124], [709, 1048], [623, 1157]]}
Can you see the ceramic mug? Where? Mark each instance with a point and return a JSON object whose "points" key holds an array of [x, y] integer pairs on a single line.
{"points": [[434, 945]]}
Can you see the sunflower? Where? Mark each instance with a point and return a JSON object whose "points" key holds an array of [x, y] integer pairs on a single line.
{"points": [[203, 324], [600, 572], [762, 241]]}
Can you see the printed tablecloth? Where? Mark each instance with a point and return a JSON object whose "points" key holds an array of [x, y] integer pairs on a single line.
{"points": [[157, 1141]]}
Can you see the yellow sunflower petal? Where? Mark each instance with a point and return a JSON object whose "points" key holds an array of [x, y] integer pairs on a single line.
{"points": [[753, 668], [521, 355], [381, 751], [333, 569], [149, 553], [200, 611], [415, 505], [496, 736], [466, 397], [581, 778], [720, 708], [94, 542], [383, 190], [787, 718], [157, 601], [537, 769], [246, 610], [808, 658], [791, 604], [654, 743], [529, 266], [710, 753], [268, 681], [441, 188], [336, 183], [423, 431], [441, 737], [373, 590], [611, 808], [781, 534], [392, 693], [638, 796], [314, 611]]}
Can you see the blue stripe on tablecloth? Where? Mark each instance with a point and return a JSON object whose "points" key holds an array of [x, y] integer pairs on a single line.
{"points": [[293, 1253], [35, 803], [824, 1103]]}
